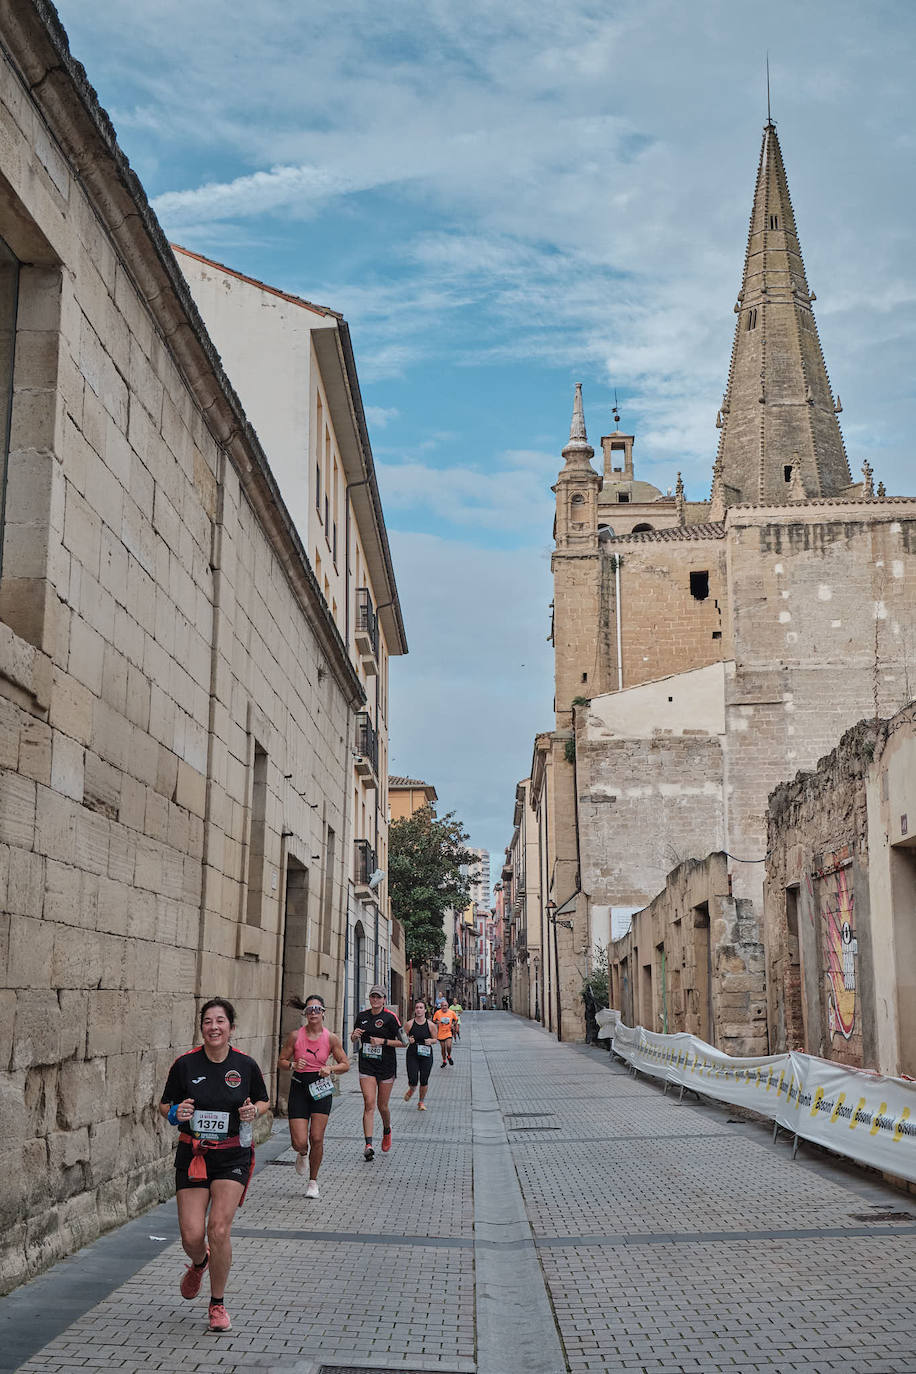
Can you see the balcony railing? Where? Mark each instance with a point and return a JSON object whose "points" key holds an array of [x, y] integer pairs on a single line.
{"points": [[364, 863], [366, 631], [366, 742]]}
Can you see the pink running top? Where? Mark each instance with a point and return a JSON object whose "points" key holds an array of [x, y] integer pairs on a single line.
{"points": [[316, 1053]]}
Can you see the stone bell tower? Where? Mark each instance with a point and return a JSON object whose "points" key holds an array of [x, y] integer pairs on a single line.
{"points": [[576, 567]]}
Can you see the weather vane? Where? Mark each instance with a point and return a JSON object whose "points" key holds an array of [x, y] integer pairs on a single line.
{"points": [[616, 410]]}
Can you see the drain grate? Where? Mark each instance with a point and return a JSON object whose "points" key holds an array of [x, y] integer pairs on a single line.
{"points": [[373, 1369], [280, 1163], [882, 1216], [516, 1129]]}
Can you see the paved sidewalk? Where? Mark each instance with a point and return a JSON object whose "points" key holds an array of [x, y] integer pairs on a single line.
{"points": [[548, 1213]]}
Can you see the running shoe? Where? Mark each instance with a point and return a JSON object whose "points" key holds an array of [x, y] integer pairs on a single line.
{"points": [[408, 1095], [386, 1140], [368, 1152], [192, 1278], [302, 1164], [219, 1317], [450, 1060], [421, 1106], [312, 1189]]}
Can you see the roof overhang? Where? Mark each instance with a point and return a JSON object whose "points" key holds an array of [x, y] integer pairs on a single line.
{"points": [[334, 352]]}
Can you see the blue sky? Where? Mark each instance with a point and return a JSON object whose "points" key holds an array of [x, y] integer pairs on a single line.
{"points": [[505, 197]]}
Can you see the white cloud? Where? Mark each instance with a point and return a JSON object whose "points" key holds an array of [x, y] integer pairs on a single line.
{"points": [[380, 416]]}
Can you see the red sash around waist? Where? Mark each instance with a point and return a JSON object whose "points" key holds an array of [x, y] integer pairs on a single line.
{"points": [[197, 1169]]}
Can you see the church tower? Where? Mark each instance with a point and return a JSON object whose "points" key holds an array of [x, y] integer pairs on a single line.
{"points": [[576, 567], [779, 429]]}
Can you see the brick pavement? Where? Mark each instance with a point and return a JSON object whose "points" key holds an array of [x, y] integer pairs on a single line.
{"points": [[548, 1213]]}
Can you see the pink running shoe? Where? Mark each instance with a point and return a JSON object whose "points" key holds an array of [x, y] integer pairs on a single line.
{"points": [[192, 1278], [219, 1317]]}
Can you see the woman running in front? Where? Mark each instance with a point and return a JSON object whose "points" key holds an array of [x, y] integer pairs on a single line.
{"points": [[377, 1031], [307, 1052], [212, 1094], [421, 1034]]}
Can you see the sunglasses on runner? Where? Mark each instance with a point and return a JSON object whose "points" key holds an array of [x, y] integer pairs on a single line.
{"points": [[314, 1007]]}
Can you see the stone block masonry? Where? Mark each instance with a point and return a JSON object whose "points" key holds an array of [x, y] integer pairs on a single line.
{"points": [[159, 625]]}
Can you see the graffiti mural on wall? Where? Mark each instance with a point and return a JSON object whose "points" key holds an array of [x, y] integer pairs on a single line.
{"points": [[839, 946]]}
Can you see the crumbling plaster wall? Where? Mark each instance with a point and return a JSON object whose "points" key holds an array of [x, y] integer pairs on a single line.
{"points": [[817, 918], [711, 981]]}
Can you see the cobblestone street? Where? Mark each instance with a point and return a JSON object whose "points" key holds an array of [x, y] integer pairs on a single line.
{"points": [[548, 1212]]}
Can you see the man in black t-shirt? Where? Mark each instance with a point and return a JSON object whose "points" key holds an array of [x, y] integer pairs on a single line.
{"points": [[377, 1031]]}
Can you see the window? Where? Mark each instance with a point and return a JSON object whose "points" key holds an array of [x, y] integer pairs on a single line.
{"points": [[752, 319], [623, 496], [699, 585], [257, 832], [641, 529], [774, 221], [327, 896], [787, 472]]}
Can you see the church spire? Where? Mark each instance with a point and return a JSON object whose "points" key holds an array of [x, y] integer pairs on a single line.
{"points": [[778, 416], [578, 450]]}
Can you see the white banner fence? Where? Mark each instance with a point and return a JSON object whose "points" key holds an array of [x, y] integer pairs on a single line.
{"points": [[854, 1112]]}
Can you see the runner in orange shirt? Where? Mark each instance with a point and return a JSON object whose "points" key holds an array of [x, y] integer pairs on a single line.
{"points": [[444, 1022]]}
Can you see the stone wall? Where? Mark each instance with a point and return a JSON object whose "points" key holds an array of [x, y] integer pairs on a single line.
{"points": [[824, 632], [649, 772], [175, 703], [693, 962], [673, 603]]}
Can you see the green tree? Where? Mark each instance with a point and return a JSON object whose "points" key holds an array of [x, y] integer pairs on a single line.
{"points": [[425, 857]]}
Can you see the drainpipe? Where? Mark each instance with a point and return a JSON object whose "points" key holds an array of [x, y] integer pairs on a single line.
{"points": [[617, 617]]}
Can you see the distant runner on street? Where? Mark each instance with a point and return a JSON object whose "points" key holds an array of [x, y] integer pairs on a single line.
{"points": [[377, 1031], [445, 1021], [421, 1034], [212, 1094], [307, 1052], [457, 1008]]}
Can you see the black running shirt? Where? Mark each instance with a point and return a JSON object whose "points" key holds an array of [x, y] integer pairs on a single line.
{"points": [[385, 1026], [218, 1088]]}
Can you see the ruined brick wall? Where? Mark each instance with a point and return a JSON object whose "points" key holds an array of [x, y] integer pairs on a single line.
{"points": [[817, 908], [151, 635], [693, 962]]}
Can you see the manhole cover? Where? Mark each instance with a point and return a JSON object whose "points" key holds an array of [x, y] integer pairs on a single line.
{"points": [[882, 1216]]}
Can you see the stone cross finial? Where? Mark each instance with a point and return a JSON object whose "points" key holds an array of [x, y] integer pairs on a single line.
{"points": [[882, 491], [868, 486], [679, 501]]}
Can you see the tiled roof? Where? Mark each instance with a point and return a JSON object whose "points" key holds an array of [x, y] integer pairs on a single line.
{"points": [[408, 782], [713, 530]]}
